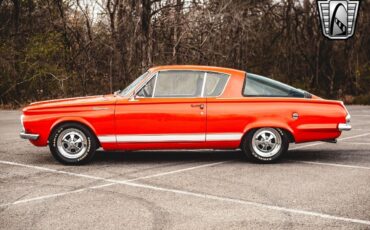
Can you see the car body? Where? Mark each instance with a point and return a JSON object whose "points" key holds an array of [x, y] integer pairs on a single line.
{"points": [[190, 107]]}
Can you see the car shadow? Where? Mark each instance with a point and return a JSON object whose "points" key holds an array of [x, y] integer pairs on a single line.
{"points": [[137, 157], [168, 156]]}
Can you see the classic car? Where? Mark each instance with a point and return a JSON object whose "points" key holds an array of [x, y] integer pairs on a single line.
{"points": [[186, 107]]}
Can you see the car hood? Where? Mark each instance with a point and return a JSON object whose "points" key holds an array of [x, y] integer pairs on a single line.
{"points": [[72, 102]]}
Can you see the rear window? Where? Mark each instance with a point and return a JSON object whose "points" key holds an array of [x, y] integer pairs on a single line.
{"points": [[259, 86]]}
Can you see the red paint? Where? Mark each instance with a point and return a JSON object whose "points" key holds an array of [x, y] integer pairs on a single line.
{"points": [[228, 113]]}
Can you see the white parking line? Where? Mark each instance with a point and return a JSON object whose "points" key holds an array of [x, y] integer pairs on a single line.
{"points": [[321, 143], [186, 193], [112, 182], [250, 203], [334, 164], [56, 194], [356, 143]]}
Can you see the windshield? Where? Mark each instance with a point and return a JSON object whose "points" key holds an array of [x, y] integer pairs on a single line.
{"points": [[129, 88]]}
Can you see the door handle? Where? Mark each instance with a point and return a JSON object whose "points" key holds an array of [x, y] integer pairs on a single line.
{"points": [[201, 106]]}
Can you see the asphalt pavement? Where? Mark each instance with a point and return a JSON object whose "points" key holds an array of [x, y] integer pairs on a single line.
{"points": [[317, 185]]}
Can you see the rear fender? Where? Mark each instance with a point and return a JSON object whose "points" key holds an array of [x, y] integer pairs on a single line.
{"points": [[268, 123]]}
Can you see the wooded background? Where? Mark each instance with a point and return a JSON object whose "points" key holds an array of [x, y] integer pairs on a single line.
{"points": [[54, 49]]}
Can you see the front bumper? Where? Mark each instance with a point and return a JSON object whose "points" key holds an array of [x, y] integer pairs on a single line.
{"points": [[29, 136], [344, 127]]}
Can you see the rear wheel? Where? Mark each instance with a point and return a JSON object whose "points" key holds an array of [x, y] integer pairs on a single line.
{"points": [[265, 145], [72, 143]]}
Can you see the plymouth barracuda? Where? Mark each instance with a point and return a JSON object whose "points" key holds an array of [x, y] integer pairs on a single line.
{"points": [[186, 107]]}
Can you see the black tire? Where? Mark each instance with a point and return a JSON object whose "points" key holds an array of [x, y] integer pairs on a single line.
{"points": [[88, 145], [253, 151]]}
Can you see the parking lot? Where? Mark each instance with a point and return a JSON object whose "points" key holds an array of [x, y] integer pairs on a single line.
{"points": [[317, 185]]}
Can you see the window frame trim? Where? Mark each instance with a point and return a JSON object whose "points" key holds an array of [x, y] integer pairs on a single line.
{"points": [[155, 74]]}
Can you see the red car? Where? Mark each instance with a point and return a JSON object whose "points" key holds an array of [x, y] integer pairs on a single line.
{"points": [[186, 107]]}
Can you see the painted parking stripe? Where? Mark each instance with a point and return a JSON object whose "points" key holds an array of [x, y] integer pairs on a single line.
{"points": [[207, 196], [56, 195], [321, 143], [112, 182], [334, 164], [356, 143], [250, 203]]}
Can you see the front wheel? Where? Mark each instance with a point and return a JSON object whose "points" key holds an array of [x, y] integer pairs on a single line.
{"points": [[265, 145], [72, 143]]}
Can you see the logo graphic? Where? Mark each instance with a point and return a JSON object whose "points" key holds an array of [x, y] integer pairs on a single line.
{"points": [[338, 17]]}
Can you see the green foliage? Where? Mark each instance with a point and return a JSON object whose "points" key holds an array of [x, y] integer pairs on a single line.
{"points": [[44, 47]]}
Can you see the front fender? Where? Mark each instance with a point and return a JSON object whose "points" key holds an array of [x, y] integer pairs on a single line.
{"points": [[72, 119]]}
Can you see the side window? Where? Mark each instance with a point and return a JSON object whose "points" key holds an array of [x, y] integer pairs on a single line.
{"points": [[258, 86], [179, 84], [215, 84], [147, 90]]}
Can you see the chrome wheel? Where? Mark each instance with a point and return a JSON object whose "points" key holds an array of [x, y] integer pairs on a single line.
{"points": [[72, 143], [266, 142]]}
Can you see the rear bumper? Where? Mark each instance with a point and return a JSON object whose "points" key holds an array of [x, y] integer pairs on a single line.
{"points": [[344, 127], [29, 136]]}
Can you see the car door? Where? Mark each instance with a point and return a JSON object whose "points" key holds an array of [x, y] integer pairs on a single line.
{"points": [[167, 112], [223, 123]]}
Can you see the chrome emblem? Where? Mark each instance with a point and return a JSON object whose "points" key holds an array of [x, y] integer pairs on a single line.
{"points": [[338, 18]]}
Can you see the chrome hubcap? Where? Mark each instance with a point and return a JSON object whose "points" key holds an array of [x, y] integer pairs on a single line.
{"points": [[266, 142], [72, 143]]}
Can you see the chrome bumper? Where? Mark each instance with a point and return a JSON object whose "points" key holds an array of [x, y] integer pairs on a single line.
{"points": [[344, 127], [29, 136]]}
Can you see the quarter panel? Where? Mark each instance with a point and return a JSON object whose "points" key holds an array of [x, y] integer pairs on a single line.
{"points": [[318, 119]]}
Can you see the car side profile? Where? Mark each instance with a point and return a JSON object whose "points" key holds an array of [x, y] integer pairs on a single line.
{"points": [[186, 107]]}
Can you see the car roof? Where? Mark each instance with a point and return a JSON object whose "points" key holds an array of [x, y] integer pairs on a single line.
{"points": [[199, 68]]}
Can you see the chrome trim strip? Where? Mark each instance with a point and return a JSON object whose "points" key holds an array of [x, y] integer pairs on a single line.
{"points": [[204, 84], [107, 139], [29, 136], [155, 84], [344, 127], [162, 138], [170, 137], [100, 108], [224, 137]]}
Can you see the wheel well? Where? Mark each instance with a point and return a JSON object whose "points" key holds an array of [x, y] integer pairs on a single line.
{"points": [[75, 122], [286, 132]]}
